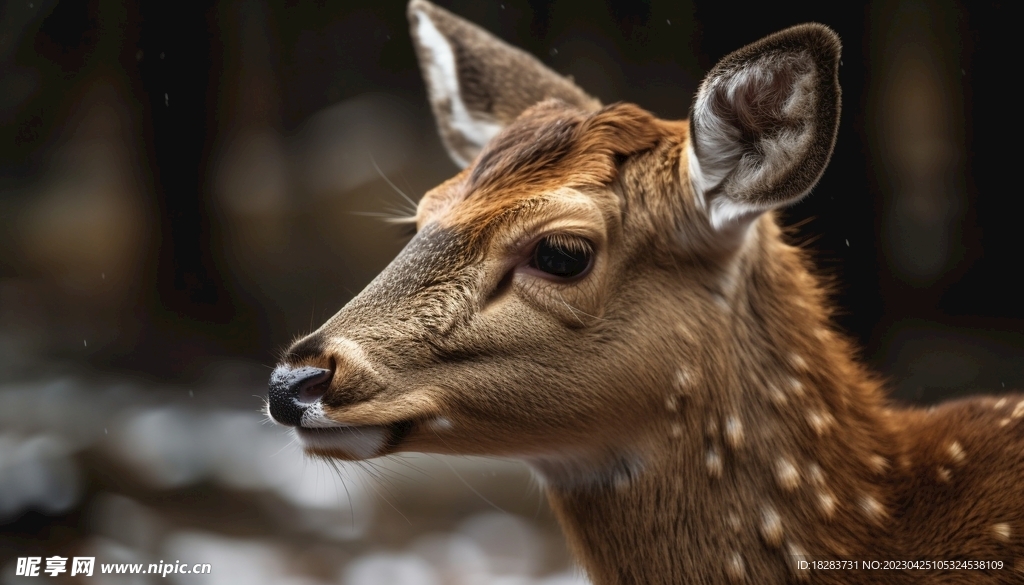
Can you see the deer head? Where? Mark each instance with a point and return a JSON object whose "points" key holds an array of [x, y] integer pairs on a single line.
{"points": [[583, 259]]}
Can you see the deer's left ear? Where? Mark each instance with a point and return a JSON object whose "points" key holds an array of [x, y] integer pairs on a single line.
{"points": [[476, 82], [764, 123]]}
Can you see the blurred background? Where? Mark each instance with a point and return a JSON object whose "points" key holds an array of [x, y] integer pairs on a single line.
{"points": [[184, 190]]}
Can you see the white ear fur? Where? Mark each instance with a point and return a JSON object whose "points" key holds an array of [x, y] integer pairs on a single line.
{"points": [[442, 80], [764, 123], [477, 83]]}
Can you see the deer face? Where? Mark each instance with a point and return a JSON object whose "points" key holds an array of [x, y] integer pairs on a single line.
{"points": [[580, 264], [518, 295]]}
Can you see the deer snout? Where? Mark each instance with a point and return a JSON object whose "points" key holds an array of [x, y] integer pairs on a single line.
{"points": [[292, 390], [308, 396]]}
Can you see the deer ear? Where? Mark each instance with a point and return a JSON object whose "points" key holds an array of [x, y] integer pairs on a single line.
{"points": [[476, 82], [764, 123]]}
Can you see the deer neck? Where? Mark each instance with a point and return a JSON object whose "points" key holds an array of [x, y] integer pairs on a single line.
{"points": [[777, 455]]}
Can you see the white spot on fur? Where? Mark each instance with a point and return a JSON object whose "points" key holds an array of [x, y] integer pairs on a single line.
{"points": [[796, 555], [795, 550], [684, 332], [734, 432], [787, 474], [798, 361], [676, 430], [1018, 411], [815, 474], [683, 380], [1005, 422], [771, 526], [1001, 531], [956, 451], [443, 85], [943, 474], [827, 503], [736, 568], [713, 460], [671, 403], [796, 386], [722, 302], [820, 421], [872, 508], [999, 403], [776, 395], [734, 522], [878, 464], [822, 334]]}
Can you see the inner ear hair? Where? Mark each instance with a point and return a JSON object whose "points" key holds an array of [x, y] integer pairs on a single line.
{"points": [[764, 123]]}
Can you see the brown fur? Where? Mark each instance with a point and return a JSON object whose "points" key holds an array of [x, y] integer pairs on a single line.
{"points": [[692, 413], [550, 146]]}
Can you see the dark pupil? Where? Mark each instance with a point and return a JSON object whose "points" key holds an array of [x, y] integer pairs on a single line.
{"points": [[559, 261]]}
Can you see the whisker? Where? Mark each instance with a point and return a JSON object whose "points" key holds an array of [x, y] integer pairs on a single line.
{"points": [[337, 471], [575, 310], [380, 495], [291, 443], [404, 461], [395, 473], [387, 217], [393, 186], [471, 488]]}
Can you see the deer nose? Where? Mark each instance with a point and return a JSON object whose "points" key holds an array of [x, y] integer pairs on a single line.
{"points": [[292, 390]]}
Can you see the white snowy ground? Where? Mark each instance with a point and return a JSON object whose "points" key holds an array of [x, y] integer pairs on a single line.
{"points": [[194, 474]]}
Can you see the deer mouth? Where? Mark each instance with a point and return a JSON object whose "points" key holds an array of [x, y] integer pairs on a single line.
{"points": [[366, 429], [355, 442]]}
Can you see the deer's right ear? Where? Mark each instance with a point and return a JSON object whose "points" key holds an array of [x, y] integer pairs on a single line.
{"points": [[476, 82], [764, 123]]}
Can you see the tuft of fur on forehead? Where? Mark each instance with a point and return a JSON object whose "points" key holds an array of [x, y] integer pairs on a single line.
{"points": [[552, 145]]}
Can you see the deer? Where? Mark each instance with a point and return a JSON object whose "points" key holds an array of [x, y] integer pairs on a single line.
{"points": [[608, 297]]}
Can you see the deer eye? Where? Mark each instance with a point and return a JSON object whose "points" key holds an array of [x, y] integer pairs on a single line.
{"points": [[563, 256]]}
